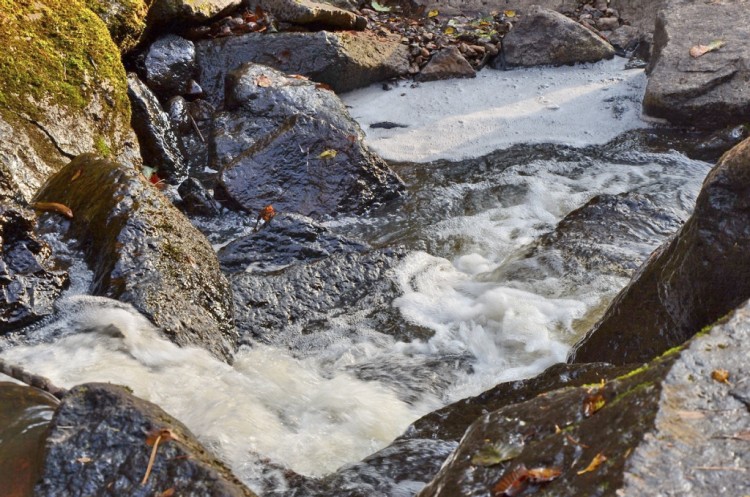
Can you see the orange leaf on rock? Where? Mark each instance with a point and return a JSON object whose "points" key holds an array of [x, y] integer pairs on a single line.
{"points": [[698, 50], [267, 213], [595, 463], [593, 403], [543, 475], [512, 483], [720, 375], [263, 81]]}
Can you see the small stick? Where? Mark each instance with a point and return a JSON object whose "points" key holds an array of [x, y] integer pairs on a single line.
{"points": [[197, 129], [151, 461]]}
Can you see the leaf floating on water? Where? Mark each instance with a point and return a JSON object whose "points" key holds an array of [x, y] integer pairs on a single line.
{"points": [[61, 209], [379, 7], [512, 483], [720, 375], [595, 463], [699, 50], [433, 13], [328, 154], [543, 475], [492, 454], [263, 81], [593, 403]]}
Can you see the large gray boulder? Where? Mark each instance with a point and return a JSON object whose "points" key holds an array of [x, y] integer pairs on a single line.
{"points": [[99, 443], [342, 60], [672, 427], [143, 251], [546, 37], [693, 279], [708, 91]]}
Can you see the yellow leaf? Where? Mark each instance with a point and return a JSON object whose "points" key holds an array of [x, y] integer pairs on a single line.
{"points": [[432, 13], [510, 13], [720, 375], [449, 30], [328, 154], [595, 463]]}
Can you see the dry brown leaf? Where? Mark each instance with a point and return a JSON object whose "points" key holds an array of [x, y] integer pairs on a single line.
{"points": [[593, 403], [76, 175], [720, 375], [167, 493], [543, 475], [263, 81], [595, 463], [698, 50], [512, 483], [84, 460], [53, 207]]}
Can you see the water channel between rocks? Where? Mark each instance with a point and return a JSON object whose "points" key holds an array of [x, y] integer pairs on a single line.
{"points": [[486, 271]]}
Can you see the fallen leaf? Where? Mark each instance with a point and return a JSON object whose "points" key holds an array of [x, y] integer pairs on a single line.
{"points": [[379, 7], [593, 403], [492, 454], [267, 213], [323, 86], [595, 462], [84, 460], [543, 475], [433, 13], [576, 442], [328, 154], [298, 76], [512, 483], [699, 50], [76, 175], [64, 210], [720, 375], [509, 13], [263, 81], [450, 30], [167, 493]]}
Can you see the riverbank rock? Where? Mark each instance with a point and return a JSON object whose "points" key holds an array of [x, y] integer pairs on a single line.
{"points": [[342, 60], [29, 282], [100, 441], [170, 66], [448, 63], [64, 92], [185, 13], [287, 143], [545, 37], [143, 251], [310, 12], [159, 145], [663, 429], [690, 281], [709, 90], [125, 20]]}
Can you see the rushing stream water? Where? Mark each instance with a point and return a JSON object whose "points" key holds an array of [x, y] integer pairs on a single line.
{"points": [[498, 310]]}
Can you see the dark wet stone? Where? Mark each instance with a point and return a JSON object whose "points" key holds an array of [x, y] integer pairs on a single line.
{"points": [[288, 239], [160, 147], [196, 201], [387, 125], [445, 64], [193, 123], [709, 91], [143, 251], [170, 66], [662, 428], [269, 143], [29, 281], [290, 306], [343, 60], [25, 413], [545, 37], [97, 446], [690, 281]]}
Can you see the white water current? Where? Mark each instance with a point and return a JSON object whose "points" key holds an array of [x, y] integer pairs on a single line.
{"points": [[309, 411]]}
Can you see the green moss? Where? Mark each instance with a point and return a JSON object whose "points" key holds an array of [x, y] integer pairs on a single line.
{"points": [[640, 387], [58, 52], [125, 20], [101, 146]]}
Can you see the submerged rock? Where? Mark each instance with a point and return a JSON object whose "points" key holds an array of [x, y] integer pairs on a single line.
{"points": [[545, 37], [662, 429], [100, 441], [287, 143], [710, 90], [696, 277], [160, 148], [342, 60], [145, 252], [29, 282]]}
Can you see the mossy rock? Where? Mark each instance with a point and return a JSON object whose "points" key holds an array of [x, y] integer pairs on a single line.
{"points": [[125, 19], [63, 89]]}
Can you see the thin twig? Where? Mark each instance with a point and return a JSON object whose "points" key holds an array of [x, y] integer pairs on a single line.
{"points": [[197, 129], [720, 468], [151, 461]]}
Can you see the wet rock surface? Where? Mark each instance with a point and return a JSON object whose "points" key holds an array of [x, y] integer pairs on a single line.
{"points": [[24, 416], [289, 307], [287, 143], [145, 252], [170, 66], [545, 37], [29, 281], [160, 147], [635, 435], [342, 60], [287, 239], [690, 281], [709, 90], [97, 445]]}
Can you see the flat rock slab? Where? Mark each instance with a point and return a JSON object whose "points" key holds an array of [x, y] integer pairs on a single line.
{"points": [[343, 60], [666, 428], [546, 37], [696, 277], [709, 91], [312, 12], [98, 444], [145, 252]]}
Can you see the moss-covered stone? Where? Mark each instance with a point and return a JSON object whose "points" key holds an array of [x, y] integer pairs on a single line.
{"points": [[125, 19]]}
